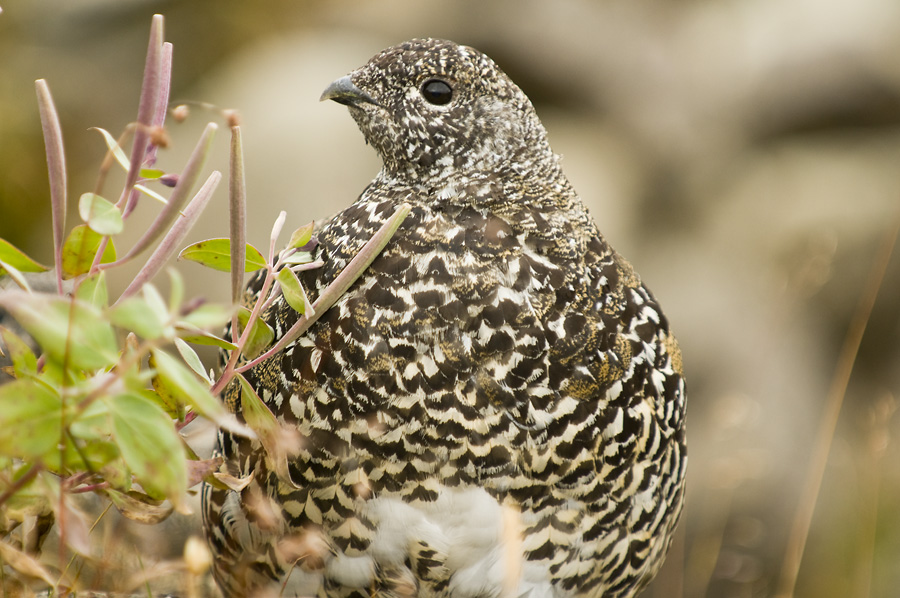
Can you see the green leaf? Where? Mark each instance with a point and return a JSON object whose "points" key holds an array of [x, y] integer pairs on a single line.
{"points": [[256, 413], [100, 214], [297, 258], [292, 290], [201, 337], [122, 159], [192, 360], [152, 194], [135, 314], [16, 276], [207, 316], [261, 334], [150, 445], [22, 357], [9, 254], [277, 440], [216, 254], [114, 148], [30, 419], [92, 423], [92, 290], [79, 250], [301, 236], [156, 302], [176, 290], [184, 385], [66, 329]]}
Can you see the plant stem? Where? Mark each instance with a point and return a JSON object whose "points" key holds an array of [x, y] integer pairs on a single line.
{"points": [[21, 482], [339, 286], [799, 531]]}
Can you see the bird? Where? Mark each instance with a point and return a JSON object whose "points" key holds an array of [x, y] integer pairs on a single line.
{"points": [[494, 408]]}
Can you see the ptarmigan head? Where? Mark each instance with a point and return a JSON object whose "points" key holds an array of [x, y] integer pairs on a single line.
{"points": [[434, 109]]}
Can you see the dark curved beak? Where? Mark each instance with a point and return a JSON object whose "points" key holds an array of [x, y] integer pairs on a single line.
{"points": [[343, 91]]}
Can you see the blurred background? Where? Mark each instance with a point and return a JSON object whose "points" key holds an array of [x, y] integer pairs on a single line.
{"points": [[744, 155]]}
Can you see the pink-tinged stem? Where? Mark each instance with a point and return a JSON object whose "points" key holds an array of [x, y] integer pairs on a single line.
{"points": [[339, 286]]}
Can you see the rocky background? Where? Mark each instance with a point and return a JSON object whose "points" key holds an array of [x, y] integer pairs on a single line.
{"points": [[743, 154]]}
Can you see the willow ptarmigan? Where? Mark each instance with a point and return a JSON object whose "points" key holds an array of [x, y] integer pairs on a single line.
{"points": [[494, 408]]}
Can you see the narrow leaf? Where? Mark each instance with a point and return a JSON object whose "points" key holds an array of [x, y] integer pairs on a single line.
{"points": [[277, 440], [189, 389], [301, 236], [302, 258], [201, 337], [176, 290], [192, 360], [16, 276], [79, 250], [292, 290], [216, 254], [185, 385], [100, 214], [13, 256], [261, 334], [152, 194], [113, 147]]}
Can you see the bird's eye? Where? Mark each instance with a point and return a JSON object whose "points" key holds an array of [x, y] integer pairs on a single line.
{"points": [[437, 92]]}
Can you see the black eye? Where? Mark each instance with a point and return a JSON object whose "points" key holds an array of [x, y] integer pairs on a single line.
{"points": [[437, 92]]}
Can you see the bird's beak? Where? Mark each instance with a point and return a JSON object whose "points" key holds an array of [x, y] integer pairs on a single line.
{"points": [[343, 91]]}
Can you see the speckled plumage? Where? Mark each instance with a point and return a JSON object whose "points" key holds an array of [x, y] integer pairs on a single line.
{"points": [[495, 408]]}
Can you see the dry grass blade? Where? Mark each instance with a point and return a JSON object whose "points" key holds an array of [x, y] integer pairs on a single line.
{"points": [[803, 519]]}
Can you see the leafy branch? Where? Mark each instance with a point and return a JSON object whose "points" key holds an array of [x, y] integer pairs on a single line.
{"points": [[102, 386]]}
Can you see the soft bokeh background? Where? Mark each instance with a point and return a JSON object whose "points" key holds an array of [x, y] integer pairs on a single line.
{"points": [[743, 154]]}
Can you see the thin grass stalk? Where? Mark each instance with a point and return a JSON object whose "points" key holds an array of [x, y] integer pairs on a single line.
{"points": [[876, 443], [56, 169], [799, 532]]}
